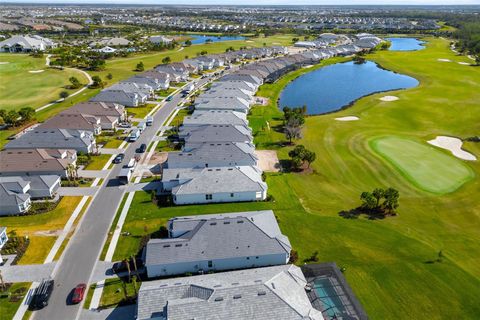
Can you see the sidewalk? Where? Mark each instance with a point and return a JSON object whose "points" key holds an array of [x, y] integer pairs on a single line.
{"points": [[77, 191], [27, 273]]}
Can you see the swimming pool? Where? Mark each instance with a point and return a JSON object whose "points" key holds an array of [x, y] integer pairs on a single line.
{"points": [[330, 297]]}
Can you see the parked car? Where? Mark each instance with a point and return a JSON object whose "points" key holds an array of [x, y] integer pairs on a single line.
{"points": [[122, 266], [169, 98], [125, 125], [78, 293], [143, 148], [41, 295], [119, 158]]}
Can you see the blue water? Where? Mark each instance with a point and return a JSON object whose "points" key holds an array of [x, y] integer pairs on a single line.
{"points": [[200, 39], [406, 44], [330, 88], [332, 305]]}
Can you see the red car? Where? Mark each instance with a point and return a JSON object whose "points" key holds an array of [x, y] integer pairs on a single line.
{"points": [[78, 293]]}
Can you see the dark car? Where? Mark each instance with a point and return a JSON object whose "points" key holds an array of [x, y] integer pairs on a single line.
{"points": [[169, 98], [119, 158], [78, 293], [41, 295], [122, 266], [143, 148]]}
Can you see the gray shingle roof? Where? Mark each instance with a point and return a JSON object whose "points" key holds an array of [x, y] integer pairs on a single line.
{"points": [[216, 133], [220, 237], [53, 138], [261, 293], [200, 117]]}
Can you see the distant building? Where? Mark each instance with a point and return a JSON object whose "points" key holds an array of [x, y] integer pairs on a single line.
{"points": [[160, 40], [110, 42], [26, 44], [218, 242], [262, 293]]}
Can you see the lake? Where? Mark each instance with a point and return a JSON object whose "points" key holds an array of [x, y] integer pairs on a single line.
{"points": [[333, 87], [200, 39], [406, 44]]}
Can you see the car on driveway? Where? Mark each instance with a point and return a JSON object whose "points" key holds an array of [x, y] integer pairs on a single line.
{"points": [[78, 293], [119, 158], [41, 295], [122, 266]]}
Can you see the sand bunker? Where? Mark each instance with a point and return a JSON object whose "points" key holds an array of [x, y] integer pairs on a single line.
{"points": [[454, 145], [36, 71], [389, 98], [464, 63], [444, 60], [4, 62], [249, 41], [268, 160], [348, 118]]}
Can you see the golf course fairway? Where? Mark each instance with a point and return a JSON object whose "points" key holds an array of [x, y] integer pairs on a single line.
{"points": [[424, 166]]}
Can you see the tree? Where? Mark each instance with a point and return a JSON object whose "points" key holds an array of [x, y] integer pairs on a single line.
{"points": [[378, 194], [188, 43], [293, 129], [63, 95], [357, 59], [11, 117], [166, 60], [293, 256], [477, 60], [27, 113], [109, 76], [75, 83], [97, 82], [391, 199], [310, 157], [368, 200], [140, 67]]}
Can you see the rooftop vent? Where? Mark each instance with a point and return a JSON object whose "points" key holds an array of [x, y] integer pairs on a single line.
{"points": [[213, 223], [237, 296], [178, 245], [166, 246], [262, 293], [219, 299]]}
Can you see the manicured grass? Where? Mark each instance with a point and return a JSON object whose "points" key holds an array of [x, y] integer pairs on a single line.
{"points": [[9, 308], [141, 112], [109, 141], [89, 295], [98, 162], [37, 228], [166, 92], [113, 292], [423, 165], [388, 262], [20, 88]]}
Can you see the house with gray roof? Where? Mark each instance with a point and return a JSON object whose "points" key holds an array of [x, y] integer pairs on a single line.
{"points": [[210, 154], [109, 114], [243, 77], [154, 83], [141, 89], [159, 39], [238, 84], [214, 185], [111, 42], [218, 242], [76, 121], [129, 99], [162, 78], [213, 93], [203, 117], [34, 162], [40, 187], [276, 292], [215, 133], [14, 198], [26, 43], [79, 140], [222, 103]]}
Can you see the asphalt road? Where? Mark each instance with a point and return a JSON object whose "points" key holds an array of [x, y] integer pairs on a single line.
{"points": [[85, 246]]}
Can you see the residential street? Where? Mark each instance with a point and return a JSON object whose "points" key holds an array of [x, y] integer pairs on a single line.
{"points": [[83, 251]]}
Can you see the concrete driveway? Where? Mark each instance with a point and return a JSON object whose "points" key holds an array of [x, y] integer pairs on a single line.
{"points": [[118, 313], [77, 191], [27, 273]]}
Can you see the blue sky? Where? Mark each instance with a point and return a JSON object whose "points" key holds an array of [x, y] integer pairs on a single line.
{"points": [[266, 2]]}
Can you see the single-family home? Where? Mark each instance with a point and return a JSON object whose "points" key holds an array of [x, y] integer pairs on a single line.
{"points": [[276, 292], [159, 39], [79, 140], [227, 93], [34, 162], [128, 99], [14, 199], [162, 78], [222, 103], [209, 154], [214, 185], [40, 186], [26, 43], [235, 84], [76, 121], [141, 89], [216, 133], [110, 42], [176, 75], [218, 242], [243, 77], [110, 114], [204, 117]]}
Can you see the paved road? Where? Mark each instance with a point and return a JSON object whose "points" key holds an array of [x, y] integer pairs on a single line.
{"points": [[83, 250]]}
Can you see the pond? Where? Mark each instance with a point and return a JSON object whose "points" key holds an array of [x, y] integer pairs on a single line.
{"points": [[406, 44], [334, 87], [200, 39]]}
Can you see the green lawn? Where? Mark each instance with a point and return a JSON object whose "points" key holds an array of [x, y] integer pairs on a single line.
{"points": [[41, 228], [98, 162], [20, 88], [10, 303], [141, 112], [425, 166], [113, 292], [388, 262]]}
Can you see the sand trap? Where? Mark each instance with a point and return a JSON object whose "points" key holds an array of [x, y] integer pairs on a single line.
{"points": [[389, 98], [249, 41], [4, 62], [276, 43], [307, 66], [36, 71], [454, 145], [444, 60], [268, 160], [348, 118], [464, 63]]}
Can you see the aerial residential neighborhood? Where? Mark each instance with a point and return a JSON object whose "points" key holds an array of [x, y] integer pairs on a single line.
{"points": [[239, 161]]}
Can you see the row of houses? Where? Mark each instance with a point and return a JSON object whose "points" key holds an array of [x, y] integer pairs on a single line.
{"points": [[363, 41], [26, 43]]}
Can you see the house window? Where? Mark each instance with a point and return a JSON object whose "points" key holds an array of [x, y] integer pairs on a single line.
{"points": [[231, 195], [208, 197], [258, 195], [210, 263]]}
